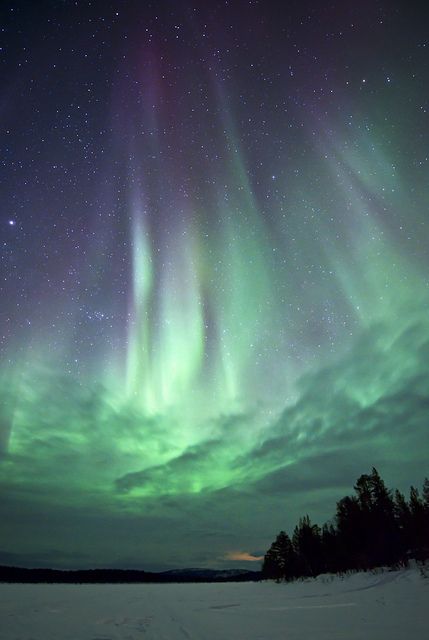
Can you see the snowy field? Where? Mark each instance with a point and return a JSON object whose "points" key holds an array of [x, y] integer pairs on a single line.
{"points": [[385, 606]]}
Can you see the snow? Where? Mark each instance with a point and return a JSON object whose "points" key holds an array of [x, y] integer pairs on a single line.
{"points": [[381, 606]]}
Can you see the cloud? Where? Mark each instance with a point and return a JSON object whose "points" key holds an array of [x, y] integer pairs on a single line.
{"points": [[178, 475], [75, 456], [242, 556], [206, 466], [359, 400]]}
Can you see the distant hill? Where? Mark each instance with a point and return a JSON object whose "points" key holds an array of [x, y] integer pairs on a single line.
{"points": [[211, 575], [91, 576]]}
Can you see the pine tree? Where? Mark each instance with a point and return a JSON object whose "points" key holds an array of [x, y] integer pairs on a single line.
{"points": [[349, 520], [307, 544], [425, 494], [280, 559], [380, 536], [402, 515], [363, 488], [271, 566], [331, 549], [384, 531], [418, 524]]}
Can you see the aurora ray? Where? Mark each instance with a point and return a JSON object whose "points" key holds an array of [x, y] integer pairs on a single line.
{"points": [[218, 289]]}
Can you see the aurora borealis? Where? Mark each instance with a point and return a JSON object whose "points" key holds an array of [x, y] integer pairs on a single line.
{"points": [[214, 285]]}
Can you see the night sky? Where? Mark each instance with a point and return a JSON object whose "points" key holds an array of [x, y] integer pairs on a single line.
{"points": [[214, 277]]}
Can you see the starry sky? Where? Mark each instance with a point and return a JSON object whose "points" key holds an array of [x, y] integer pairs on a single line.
{"points": [[214, 277]]}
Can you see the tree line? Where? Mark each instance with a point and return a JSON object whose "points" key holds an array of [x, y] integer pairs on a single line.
{"points": [[373, 528]]}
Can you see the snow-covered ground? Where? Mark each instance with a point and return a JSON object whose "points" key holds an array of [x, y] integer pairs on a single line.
{"points": [[384, 606]]}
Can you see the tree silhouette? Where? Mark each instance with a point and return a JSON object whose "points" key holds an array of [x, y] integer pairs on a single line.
{"points": [[403, 523], [370, 529], [280, 561], [307, 544], [417, 523]]}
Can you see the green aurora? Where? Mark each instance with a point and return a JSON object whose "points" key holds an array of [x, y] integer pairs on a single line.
{"points": [[269, 342]]}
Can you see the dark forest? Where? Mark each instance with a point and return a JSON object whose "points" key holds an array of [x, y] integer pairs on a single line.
{"points": [[375, 527]]}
